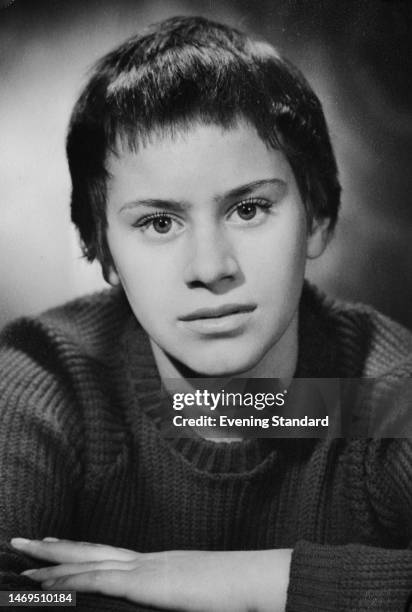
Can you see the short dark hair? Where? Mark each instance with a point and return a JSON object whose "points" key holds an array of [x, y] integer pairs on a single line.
{"points": [[183, 71]]}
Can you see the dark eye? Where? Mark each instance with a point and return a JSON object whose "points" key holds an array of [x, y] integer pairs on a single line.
{"points": [[250, 213], [158, 225], [162, 224], [246, 211]]}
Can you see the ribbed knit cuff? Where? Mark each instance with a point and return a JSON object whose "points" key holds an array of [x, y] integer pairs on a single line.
{"points": [[315, 572], [348, 577]]}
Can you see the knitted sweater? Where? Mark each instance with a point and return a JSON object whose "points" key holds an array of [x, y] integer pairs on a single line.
{"points": [[82, 457]]}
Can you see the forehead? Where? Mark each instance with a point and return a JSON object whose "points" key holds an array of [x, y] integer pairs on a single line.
{"points": [[202, 158]]}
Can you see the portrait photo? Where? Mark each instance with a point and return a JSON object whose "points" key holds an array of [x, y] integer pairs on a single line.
{"points": [[205, 290]]}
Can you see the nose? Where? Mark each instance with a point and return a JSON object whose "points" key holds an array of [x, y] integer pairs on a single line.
{"points": [[211, 261]]}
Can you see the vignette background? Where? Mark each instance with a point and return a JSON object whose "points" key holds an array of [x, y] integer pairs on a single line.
{"points": [[356, 54]]}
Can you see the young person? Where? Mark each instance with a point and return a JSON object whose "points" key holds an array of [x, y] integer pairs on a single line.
{"points": [[203, 179]]}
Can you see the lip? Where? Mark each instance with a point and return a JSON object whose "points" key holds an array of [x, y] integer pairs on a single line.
{"points": [[229, 319], [219, 312]]}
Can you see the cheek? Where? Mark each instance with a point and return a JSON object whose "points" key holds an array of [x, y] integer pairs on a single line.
{"points": [[149, 280], [143, 282], [279, 259]]}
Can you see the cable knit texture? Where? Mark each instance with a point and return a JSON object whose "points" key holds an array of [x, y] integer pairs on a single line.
{"points": [[83, 456]]}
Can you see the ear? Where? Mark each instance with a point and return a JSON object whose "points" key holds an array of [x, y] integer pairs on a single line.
{"points": [[112, 277], [318, 238]]}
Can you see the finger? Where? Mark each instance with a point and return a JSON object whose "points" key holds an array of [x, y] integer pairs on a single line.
{"points": [[68, 569], [67, 551], [107, 582]]}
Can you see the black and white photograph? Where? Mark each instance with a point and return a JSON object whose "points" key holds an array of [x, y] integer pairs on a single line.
{"points": [[206, 305]]}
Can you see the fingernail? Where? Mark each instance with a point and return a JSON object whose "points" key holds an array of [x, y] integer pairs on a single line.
{"points": [[48, 539], [28, 572], [19, 542]]}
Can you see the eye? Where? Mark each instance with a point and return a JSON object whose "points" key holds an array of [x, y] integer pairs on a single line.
{"points": [[158, 224], [247, 210], [253, 210], [162, 224]]}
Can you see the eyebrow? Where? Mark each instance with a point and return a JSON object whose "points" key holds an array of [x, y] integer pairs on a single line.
{"points": [[243, 190], [178, 205]]}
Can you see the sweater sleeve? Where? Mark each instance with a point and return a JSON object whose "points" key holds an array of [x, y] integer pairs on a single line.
{"points": [[40, 457], [38, 460], [357, 576], [349, 577]]}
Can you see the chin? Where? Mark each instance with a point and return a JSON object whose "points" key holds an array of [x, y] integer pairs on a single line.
{"points": [[219, 366]]}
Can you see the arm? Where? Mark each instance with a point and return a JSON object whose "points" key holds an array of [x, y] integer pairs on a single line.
{"points": [[40, 446], [38, 465], [349, 577], [356, 576], [323, 578], [233, 581]]}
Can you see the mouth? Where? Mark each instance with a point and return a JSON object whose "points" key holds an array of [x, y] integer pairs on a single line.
{"points": [[227, 319], [218, 313]]}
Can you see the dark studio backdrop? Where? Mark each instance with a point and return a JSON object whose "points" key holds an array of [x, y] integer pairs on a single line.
{"points": [[357, 55]]}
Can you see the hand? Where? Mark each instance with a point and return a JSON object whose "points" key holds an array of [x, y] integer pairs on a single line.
{"points": [[177, 580]]}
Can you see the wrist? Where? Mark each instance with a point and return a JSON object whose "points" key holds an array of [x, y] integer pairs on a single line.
{"points": [[269, 573]]}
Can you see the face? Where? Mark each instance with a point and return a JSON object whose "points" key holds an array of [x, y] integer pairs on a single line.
{"points": [[209, 239]]}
